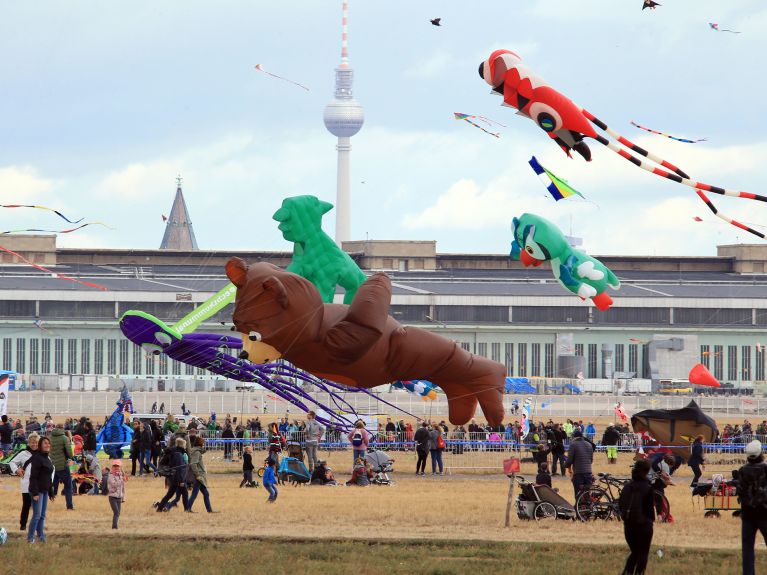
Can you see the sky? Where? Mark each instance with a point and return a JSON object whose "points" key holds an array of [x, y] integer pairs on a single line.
{"points": [[103, 104]]}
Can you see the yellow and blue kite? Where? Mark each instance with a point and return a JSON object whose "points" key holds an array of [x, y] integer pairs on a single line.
{"points": [[557, 187]]}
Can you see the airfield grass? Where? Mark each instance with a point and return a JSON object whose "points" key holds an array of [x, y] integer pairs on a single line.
{"points": [[87, 555]]}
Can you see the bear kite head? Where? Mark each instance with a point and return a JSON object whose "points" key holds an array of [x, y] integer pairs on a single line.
{"points": [[274, 309], [300, 217]]}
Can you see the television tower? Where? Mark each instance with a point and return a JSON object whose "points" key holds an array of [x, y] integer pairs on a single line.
{"points": [[343, 118]]}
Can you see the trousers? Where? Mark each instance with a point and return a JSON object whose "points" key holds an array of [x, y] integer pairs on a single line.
{"points": [[116, 504], [311, 454], [748, 530], [639, 539]]}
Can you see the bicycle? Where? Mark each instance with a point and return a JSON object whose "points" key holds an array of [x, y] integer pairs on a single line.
{"points": [[602, 502]]}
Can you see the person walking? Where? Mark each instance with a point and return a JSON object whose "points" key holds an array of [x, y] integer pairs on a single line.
{"points": [[579, 459], [135, 446], [752, 491], [314, 431], [638, 513], [696, 460], [421, 438], [270, 479], [116, 490], [177, 480], [197, 466], [41, 470], [359, 438], [557, 439], [436, 447], [19, 466], [145, 444], [61, 455]]}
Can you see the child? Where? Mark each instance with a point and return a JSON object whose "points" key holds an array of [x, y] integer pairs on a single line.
{"points": [[247, 468], [270, 480], [543, 477], [116, 482]]}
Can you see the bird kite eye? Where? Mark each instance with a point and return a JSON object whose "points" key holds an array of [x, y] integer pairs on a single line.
{"points": [[156, 352], [254, 336], [546, 117], [163, 338], [529, 250]]}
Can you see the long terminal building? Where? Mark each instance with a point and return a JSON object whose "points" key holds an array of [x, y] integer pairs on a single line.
{"points": [[670, 312]]}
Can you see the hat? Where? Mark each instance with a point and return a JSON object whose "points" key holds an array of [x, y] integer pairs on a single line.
{"points": [[577, 433], [754, 448], [117, 462]]}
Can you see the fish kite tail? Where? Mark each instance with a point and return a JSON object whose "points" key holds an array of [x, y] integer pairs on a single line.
{"points": [[632, 146]]}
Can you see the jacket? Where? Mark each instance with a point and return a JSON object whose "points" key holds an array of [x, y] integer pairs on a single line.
{"points": [[365, 438], [18, 463], [247, 462], [197, 465], [611, 436], [146, 439], [40, 471], [580, 455], [422, 439], [61, 449], [314, 431], [89, 443], [752, 480], [696, 454], [637, 504], [178, 465], [94, 467], [116, 484], [269, 477], [6, 433]]}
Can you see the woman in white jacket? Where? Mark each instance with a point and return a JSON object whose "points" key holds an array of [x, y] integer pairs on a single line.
{"points": [[18, 467]]}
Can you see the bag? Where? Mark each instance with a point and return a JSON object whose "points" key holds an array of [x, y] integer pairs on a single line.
{"points": [[440, 442], [165, 463], [357, 439]]}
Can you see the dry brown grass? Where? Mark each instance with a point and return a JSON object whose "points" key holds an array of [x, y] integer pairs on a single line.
{"points": [[463, 507]]}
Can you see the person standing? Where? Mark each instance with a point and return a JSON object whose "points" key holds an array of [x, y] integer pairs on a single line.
{"points": [[227, 435], [557, 439], [359, 438], [247, 468], [41, 470], [116, 490], [696, 460], [61, 455], [145, 444], [610, 438], [197, 466], [436, 447], [638, 513], [752, 491], [579, 458], [135, 446], [6, 436], [421, 438], [314, 431], [89, 439], [19, 466]]}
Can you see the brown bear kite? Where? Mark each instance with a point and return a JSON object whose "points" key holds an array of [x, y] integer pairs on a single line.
{"points": [[281, 314]]}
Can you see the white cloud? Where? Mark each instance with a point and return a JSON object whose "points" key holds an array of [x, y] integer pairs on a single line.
{"points": [[22, 185], [434, 65]]}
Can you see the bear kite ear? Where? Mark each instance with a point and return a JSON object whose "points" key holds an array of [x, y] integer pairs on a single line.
{"points": [[274, 285], [236, 271]]}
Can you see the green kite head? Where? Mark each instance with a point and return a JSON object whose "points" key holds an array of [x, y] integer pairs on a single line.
{"points": [[300, 217], [537, 240]]}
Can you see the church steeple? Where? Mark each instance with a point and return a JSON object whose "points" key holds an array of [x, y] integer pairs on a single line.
{"points": [[179, 234]]}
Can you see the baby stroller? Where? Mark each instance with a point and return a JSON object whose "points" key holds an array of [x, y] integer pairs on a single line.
{"points": [[293, 470], [382, 465], [541, 502]]}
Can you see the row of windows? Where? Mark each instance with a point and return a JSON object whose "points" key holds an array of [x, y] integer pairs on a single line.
{"points": [[418, 313], [113, 357]]}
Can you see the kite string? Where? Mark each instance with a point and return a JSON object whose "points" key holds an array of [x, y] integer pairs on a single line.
{"points": [[261, 69], [58, 213], [55, 274]]}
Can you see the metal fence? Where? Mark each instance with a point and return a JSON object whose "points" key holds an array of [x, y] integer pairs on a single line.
{"points": [[259, 401]]}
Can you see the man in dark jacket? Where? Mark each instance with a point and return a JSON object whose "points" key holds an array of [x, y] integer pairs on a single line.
{"points": [[89, 439], [752, 491], [177, 479], [421, 438], [145, 445], [638, 513], [557, 438], [610, 439], [579, 458], [61, 455]]}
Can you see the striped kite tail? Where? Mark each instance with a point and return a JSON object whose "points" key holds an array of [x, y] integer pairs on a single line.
{"points": [[726, 218], [632, 146]]}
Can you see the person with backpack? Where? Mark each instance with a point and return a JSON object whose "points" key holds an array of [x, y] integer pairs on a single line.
{"points": [[637, 510], [359, 438], [177, 478], [436, 448], [752, 491], [696, 460], [62, 456], [421, 438]]}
